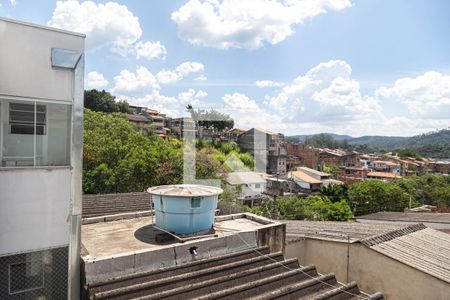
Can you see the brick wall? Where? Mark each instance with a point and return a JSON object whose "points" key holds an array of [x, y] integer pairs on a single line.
{"points": [[308, 156], [108, 204]]}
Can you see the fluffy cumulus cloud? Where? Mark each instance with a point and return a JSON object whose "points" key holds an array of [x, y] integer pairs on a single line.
{"points": [[246, 24], [192, 97], [327, 99], [426, 96], [104, 24], [96, 80], [134, 83], [183, 70], [173, 106], [150, 50], [325, 93], [109, 24]]}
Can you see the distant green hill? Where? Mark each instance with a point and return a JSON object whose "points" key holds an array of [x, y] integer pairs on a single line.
{"points": [[433, 144]]}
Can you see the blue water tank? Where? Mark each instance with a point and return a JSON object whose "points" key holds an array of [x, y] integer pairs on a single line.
{"points": [[185, 208]]}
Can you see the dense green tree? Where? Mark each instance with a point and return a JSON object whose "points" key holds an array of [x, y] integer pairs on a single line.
{"points": [[313, 208], [336, 192], [119, 158], [371, 196], [103, 101]]}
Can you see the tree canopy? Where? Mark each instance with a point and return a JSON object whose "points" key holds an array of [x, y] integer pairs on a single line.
{"points": [[210, 118], [103, 101], [312, 208]]}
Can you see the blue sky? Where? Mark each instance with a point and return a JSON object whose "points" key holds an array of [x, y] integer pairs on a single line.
{"points": [[295, 66]]}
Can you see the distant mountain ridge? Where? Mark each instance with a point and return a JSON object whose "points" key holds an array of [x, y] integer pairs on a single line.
{"points": [[433, 144]]}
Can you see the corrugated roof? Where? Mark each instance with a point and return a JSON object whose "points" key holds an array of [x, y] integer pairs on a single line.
{"points": [[304, 177], [337, 231], [184, 190], [418, 217], [318, 173], [425, 249], [245, 178], [383, 175]]}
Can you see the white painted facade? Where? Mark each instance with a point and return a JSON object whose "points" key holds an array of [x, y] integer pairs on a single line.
{"points": [[41, 114]]}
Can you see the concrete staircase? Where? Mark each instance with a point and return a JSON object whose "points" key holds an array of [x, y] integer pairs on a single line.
{"points": [[249, 274]]}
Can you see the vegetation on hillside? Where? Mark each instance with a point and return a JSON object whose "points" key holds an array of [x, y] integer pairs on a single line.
{"points": [[118, 158], [340, 202], [434, 144]]}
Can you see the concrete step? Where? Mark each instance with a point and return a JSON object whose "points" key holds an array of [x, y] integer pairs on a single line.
{"points": [[264, 285], [339, 292], [187, 279], [297, 290], [171, 272], [224, 283]]}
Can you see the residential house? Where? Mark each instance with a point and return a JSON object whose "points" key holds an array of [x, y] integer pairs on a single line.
{"points": [[386, 166], [404, 261], [388, 176], [304, 181], [267, 147], [314, 173], [339, 157], [247, 185], [442, 167], [142, 122], [41, 140], [231, 135], [306, 155]]}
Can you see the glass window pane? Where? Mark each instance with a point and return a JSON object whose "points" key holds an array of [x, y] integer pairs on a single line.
{"points": [[17, 147], [53, 147], [25, 142]]}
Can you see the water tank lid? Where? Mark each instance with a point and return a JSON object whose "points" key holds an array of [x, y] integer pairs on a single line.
{"points": [[185, 190]]}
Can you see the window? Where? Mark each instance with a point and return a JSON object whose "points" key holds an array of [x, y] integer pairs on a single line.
{"points": [[25, 118], [26, 276], [195, 202], [34, 133]]}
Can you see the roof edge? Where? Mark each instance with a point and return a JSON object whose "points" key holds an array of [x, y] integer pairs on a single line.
{"points": [[44, 27], [385, 237]]}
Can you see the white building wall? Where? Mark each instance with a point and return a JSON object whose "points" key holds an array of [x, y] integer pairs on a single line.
{"points": [[251, 190], [25, 64], [34, 209]]}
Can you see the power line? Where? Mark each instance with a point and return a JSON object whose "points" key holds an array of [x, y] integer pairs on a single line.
{"points": [[290, 269]]}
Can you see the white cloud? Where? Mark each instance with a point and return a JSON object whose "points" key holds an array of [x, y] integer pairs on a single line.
{"points": [[427, 95], [239, 101], [192, 97], [324, 93], [109, 24], [150, 50], [201, 78], [13, 2], [246, 24], [267, 83], [96, 80], [170, 105], [129, 83], [183, 70]]}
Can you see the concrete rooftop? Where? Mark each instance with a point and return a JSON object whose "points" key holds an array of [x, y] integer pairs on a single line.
{"points": [[104, 239]]}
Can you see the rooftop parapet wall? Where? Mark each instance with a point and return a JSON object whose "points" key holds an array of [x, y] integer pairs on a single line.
{"points": [[118, 248]]}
